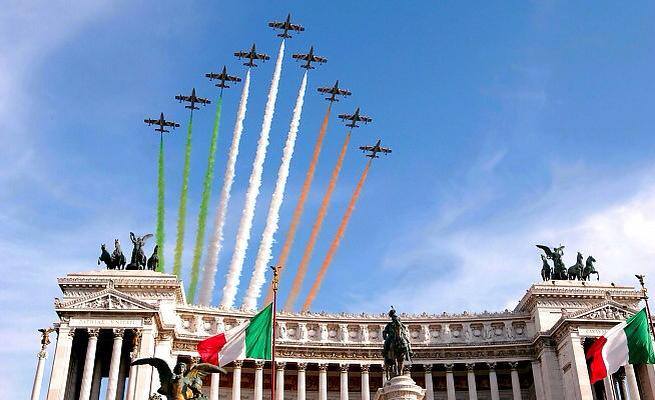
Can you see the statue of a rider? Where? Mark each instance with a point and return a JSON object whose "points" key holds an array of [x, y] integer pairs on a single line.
{"points": [[397, 348]]}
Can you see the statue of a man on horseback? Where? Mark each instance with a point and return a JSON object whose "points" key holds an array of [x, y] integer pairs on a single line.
{"points": [[397, 348]]}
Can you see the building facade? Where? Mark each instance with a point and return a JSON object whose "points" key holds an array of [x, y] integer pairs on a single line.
{"points": [[535, 352]]}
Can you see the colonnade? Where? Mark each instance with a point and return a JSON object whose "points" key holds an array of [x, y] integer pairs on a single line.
{"points": [[344, 370]]}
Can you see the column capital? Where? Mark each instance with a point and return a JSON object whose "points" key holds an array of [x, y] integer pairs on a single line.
{"points": [[238, 364], [449, 367], [93, 332], [344, 367], [42, 354], [280, 365], [364, 367], [470, 367], [301, 366], [491, 365], [118, 333], [323, 367], [259, 364], [427, 368], [71, 332], [513, 365]]}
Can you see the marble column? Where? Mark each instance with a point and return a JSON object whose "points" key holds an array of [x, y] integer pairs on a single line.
{"points": [[609, 388], [343, 380], [89, 363], [450, 382], [631, 379], [322, 381], [365, 386], [144, 373], [647, 375], [538, 381], [279, 380], [493, 381], [472, 386], [134, 354], [114, 364], [215, 386], [384, 376], [619, 381], [301, 391], [59, 374], [236, 380], [38, 376], [516, 386], [429, 388], [259, 380]]}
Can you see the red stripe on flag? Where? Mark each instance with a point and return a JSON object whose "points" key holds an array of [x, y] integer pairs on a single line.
{"points": [[597, 367], [209, 348]]}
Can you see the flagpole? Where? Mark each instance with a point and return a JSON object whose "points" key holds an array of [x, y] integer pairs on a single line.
{"points": [[645, 292], [274, 284]]}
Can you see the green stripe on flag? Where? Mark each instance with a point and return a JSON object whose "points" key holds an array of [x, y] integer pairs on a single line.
{"points": [[640, 344], [259, 334]]}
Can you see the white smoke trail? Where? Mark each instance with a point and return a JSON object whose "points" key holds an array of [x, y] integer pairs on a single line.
{"points": [[216, 242], [245, 225], [266, 245]]}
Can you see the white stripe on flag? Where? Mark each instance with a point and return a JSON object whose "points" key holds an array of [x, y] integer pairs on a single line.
{"points": [[235, 346], [615, 351]]}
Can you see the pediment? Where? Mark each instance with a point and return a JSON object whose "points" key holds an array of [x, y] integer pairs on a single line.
{"points": [[608, 310], [108, 299]]}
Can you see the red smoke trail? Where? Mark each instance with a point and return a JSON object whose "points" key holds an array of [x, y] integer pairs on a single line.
{"points": [[337, 239], [297, 212], [316, 228]]}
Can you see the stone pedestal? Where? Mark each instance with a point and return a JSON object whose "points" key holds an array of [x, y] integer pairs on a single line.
{"points": [[400, 387]]}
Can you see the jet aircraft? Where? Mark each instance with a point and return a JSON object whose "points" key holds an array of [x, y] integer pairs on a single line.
{"points": [[354, 118], [162, 123], [310, 58], [334, 91], [286, 26], [222, 77], [251, 55], [192, 100], [375, 149]]}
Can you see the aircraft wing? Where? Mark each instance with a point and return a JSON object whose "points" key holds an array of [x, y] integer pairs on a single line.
{"points": [[344, 92], [276, 24], [296, 28], [150, 121], [319, 59], [262, 57], [325, 90], [385, 150], [170, 123], [301, 56], [365, 118], [366, 148], [241, 54], [346, 116]]}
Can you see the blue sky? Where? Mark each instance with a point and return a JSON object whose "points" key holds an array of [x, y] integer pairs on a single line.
{"points": [[512, 124]]}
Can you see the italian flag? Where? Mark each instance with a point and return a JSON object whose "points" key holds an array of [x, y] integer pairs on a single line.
{"points": [[627, 343], [251, 339]]}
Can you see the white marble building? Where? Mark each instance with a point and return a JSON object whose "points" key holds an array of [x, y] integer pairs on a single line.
{"points": [[107, 318]]}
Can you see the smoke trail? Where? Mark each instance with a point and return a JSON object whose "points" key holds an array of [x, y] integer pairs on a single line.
{"points": [[298, 211], [181, 213], [160, 205], [204, 204], [273, 217], [214, 246], [316, 228], [245, 225], [337, 239]]}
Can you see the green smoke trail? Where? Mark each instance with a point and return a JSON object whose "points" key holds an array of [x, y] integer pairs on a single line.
{"points": [[181, 213], [160, 205], [204, 205]]}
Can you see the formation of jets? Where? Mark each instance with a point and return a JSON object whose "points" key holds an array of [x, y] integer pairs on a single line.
{"points": [[310, 58], [375, 149], [355, 118], [334, 91], [162, 123], [192, 100], [251, 55], [222, 77], [286, 26]]}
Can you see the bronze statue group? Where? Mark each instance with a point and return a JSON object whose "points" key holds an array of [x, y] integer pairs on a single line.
{"points": [[558, 271], [138, 260]]}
